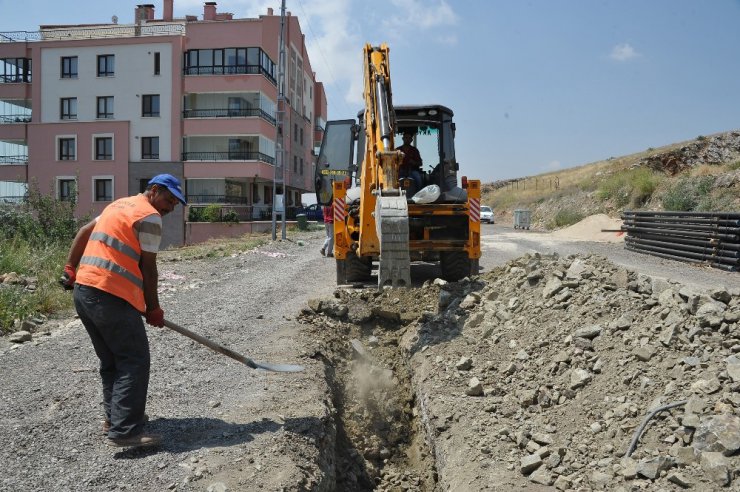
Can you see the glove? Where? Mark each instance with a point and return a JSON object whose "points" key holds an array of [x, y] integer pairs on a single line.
{"points": [[155, 317], [67, 280]]}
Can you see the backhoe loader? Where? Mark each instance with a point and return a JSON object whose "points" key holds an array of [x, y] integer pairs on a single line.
{"points": [[379, 219]]}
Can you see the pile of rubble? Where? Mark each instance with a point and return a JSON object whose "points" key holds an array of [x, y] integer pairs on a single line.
{"points": [[542, 372]]}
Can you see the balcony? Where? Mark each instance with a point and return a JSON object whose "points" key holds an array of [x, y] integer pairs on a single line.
{"points": [[13, 160], [228, 113], [228, 156], [95, 32], [229, 148], [194, 199]]}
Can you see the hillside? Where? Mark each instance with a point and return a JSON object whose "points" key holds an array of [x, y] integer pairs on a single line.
{"points": [[702, 174]]}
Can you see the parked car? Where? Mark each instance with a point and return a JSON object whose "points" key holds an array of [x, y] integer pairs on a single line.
{"points": [[486, 214], [313, 212]]}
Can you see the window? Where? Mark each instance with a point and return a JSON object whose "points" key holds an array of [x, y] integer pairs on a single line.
{"points": [[106, 65], [295, 132], [301, 137], [301, 168], [156, 63], [67, 149], [15, 70], [69, 67], [105, 107], [150, 147], [66, 189], [103, 189], [103, 148], [150, 105], [295, 164], [229, 61], [68, 108]]}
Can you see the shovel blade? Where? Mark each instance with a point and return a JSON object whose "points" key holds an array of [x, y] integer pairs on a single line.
{"points": [[279, 367]]}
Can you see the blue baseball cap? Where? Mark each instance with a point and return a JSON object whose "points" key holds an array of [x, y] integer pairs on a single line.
{"points": [[171, 183]]}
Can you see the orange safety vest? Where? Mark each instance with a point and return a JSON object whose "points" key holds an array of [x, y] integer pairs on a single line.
{"points": [[111, 258]]}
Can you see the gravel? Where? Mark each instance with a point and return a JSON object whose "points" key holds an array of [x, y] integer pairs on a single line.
{"points": [[221, 422]]}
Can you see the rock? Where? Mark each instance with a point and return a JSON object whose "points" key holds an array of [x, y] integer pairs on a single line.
{"points": [[589, 332], [576, 269], [579, 378], [563, 483], [721, 295], [707, 386], [475, 388], [470, 301], [733, 368], [315, 305], [684, 455], [651, 468], [529, 463], [716, 466], [445, 298], [718, 433], [644, 353], [629, 468], [217, 487], [601, 480], [624, 322], [553, 286], [464, 364], [20, 337], [542, 439], [679, 480], [542, 476]]}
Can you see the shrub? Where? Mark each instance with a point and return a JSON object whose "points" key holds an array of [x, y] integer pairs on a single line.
{"points": [[212, 213], [686, 194], [634, 187], [734, 166], [230, 216], [195, 214], [566, 217]]}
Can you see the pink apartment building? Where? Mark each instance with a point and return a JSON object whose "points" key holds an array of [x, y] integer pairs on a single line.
{"points": [[99, 109]]}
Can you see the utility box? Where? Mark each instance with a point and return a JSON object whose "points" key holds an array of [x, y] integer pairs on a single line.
{"points": [[522, 218]]}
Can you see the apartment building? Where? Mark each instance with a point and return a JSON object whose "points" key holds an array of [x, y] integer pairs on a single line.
{"points": [[91, 112]]}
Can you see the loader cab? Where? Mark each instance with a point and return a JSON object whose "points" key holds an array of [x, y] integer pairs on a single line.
{"points": [[434, 138]]}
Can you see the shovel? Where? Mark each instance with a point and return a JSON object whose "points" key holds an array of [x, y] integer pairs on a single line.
{"points": [[230, 353]]}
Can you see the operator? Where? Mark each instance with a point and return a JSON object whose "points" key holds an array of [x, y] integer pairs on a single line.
{"points": [[115, 256], [411, 167]]}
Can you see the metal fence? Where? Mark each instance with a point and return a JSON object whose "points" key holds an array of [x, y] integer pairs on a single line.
{"points": [[711, 238]]}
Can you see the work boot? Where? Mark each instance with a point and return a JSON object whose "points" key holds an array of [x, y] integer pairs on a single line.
{"points": [[106, 424], [322, 252], [138, 441]]}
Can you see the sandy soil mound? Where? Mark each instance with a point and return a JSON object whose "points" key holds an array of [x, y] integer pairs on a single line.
{"points": [[589, 229]]}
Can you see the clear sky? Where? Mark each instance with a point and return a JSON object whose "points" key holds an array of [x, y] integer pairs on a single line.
{"points": [[536, 85]]}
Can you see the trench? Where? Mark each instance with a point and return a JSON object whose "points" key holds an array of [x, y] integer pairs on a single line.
{"points": [[381, 443]]}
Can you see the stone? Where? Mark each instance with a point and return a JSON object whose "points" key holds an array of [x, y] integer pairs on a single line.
{"points": [[21, 336], [628, 469], [529, 463], [644, 353], [651, 468], [707, 386], [217, 487], [579, 378], [563, 483], [680, 480], [716, 467], [553, 286], [733, 368], [475, 388], [464, 364], [541, 438], [589, 332], [720, 294], [718, 433], [542, 476], [684, 455], [624, 322]]}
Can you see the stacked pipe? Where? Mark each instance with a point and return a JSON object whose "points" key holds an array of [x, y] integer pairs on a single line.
{"points": [[711, 238]]}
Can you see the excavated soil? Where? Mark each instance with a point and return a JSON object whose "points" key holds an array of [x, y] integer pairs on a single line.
{"points": [[534, 375]]}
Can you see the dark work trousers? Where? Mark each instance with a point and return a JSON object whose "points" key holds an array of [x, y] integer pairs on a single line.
{"points": [[119, 338]]}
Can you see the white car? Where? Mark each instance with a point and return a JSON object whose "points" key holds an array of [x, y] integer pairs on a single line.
{"points": [[486, 214]]}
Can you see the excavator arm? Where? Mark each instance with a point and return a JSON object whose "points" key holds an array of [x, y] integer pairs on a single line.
{"points": [[383, 224]]}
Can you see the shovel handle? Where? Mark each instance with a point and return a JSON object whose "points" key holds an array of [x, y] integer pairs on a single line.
{"points": [[210, 344]]}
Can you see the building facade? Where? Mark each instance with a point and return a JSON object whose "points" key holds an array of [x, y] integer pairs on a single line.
{"points": [[92, 112]]}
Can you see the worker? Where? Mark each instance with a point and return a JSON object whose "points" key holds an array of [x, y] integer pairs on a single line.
{"points": [[411, 167], [112, 267], [328, 248]]}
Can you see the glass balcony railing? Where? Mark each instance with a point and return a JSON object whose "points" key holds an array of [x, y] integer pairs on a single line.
{"points": [[227, 156], [14, 118], [13, 159], [235, 199], [228, 113]]}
